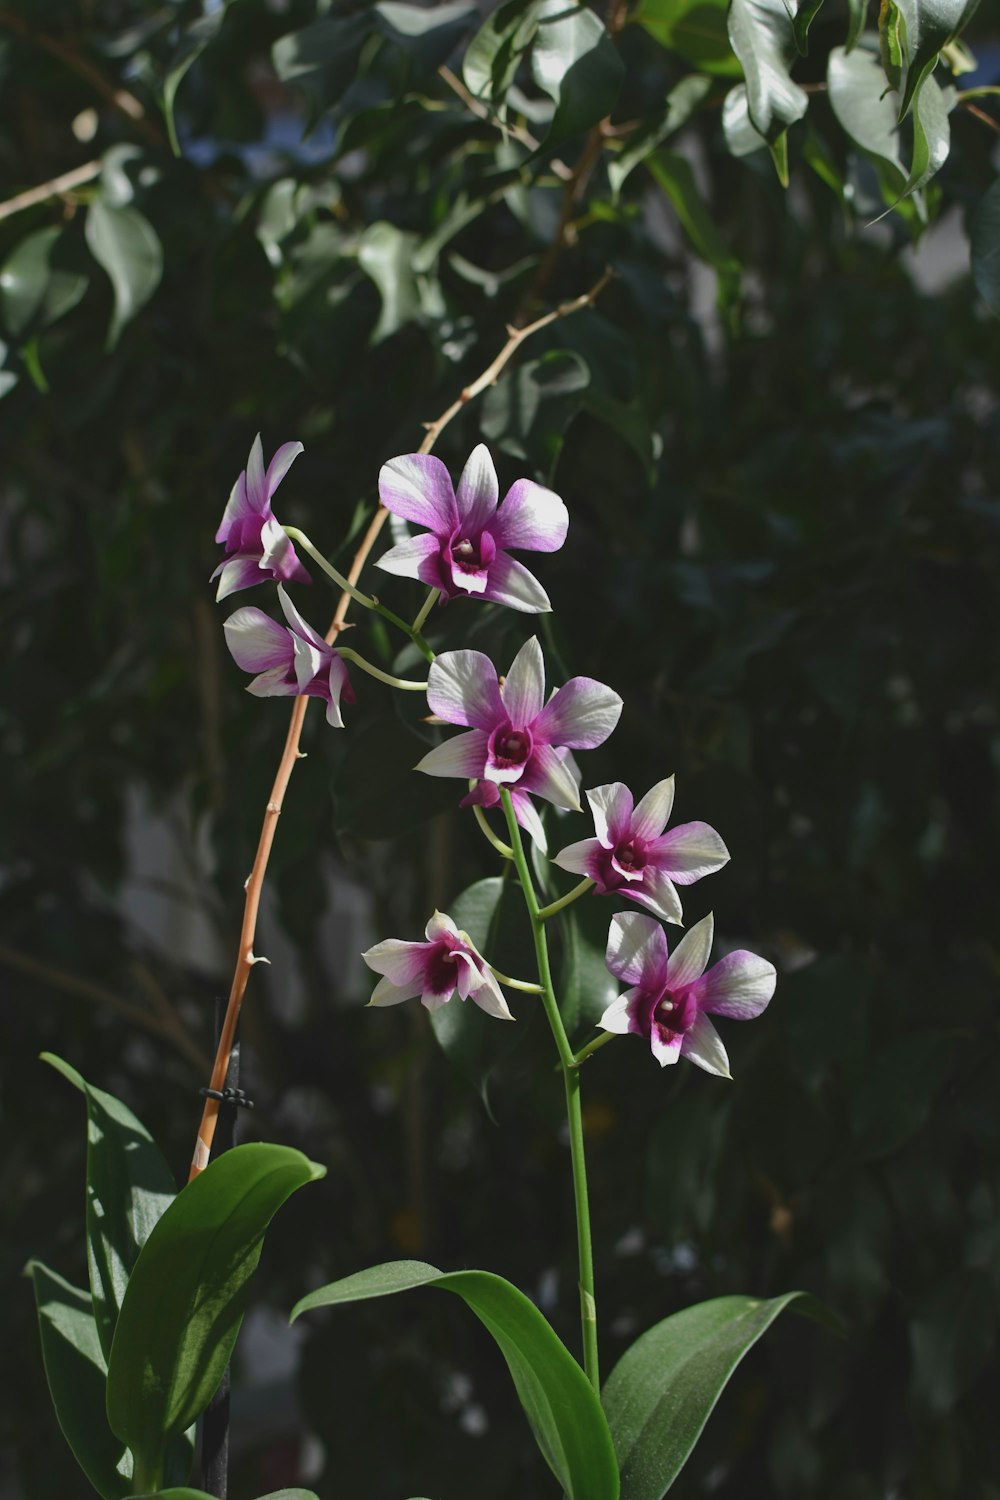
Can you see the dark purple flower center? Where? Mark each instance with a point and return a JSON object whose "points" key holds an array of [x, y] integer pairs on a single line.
{"points": [[466, 554], [676, 1011], [511, 747], [442, 970], [470, 554], [632, 855]]}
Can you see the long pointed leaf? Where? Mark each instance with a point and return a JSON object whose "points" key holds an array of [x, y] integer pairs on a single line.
{"points": [[558, 1400]]}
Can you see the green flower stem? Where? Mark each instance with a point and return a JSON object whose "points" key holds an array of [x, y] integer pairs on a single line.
{"points": [[400, 624], [574, 1111], [425, 609], [574, 895], [594, 1046], [386, 677], [515, 984], [146, 1480], [296, 535], [504, 850]]}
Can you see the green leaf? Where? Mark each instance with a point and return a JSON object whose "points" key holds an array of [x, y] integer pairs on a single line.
{"points": [[586, 988], [188, 1292], [322, 59], [663, 1389], [576, 63], [742, 139], [126, 246], [927, 26], [695, 29], [34, 291], [8, 378], [76, 1372], [530, 407], [557, 1398], [493, 56], [428, 34], [386, 254], [129, 1185], [931, 136], [857, 15], [682, 101], [985, 248], [867, 114], [953, 1334], [763, 38], [676, 177], [804, 17], [196, 39]]}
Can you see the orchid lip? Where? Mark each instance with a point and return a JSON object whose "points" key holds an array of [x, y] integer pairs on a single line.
{"points": [[510, 747]]}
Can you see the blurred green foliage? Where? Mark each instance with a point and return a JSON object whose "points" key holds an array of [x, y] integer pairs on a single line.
{"points": [[782, 463]]}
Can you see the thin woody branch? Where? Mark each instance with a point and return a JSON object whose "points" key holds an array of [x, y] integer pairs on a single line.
{"points": [[54, 188]]}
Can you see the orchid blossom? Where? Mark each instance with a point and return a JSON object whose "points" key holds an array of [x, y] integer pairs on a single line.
{"points": [[434, 970], [464, 550], [515, 739], [671, 993], [293, 661], [633, 857], [249, 532]]}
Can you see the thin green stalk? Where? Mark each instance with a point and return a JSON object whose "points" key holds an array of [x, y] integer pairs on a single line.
{"points": [[400, 624], [504, 850], [594, 1046], [331, 572], [376, 672], [515, 984], [574, 895], [425, 609], [574, 1110]]}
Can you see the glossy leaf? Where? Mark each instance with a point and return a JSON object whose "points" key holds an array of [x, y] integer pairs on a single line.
{"points": [[694, 29], [8, 378], [76, 1372], [530, 407], [33, 290], [763, 38], [804, 17], [742, 139], [322, 59], [857, 16], [196, 39], [429, 34], [126, 246], [557, 1398], [129, 1185], [985, 248], [575, 62], [931, 136], [664, 1388], [867, 114], [188, 1292], [676, 178], [928, 25], [682, 102], [386, 254], [493, 56]]}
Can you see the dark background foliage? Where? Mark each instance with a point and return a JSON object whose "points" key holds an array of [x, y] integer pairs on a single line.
{"points": [[783, 554]]}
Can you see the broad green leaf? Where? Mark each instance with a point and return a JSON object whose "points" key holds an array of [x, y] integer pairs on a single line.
{"points": [[429, 34], [76, 1372], [931, 136], [492, 913], [804, 17], [530, 407], [126, 246], [386, 254], [322, 59], [857, 16], [927, 26], [33, 290], [867, 113], [675, 176], [682, 101], [129, 1185], [117, 188], [763, 38], [663, 1389], [985, 248], [187, 1294], [953, 1335], [576, 63], [742, 139], [494, 54], [557, 1398], [694, 29], [196, 39]]}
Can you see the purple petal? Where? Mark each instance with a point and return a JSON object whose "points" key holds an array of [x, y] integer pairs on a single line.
{"points": [[548, 776], [468, 976], [688, 852], [531, 517], [237, 573], [417, 487], [511, 584], [703, 1045], [280, 465], [273, 684], [637, 950], [688, 960], [478, 491], [238, 509], [462, 688], [666, 1046], [407, 558], [465, 756], [581, 858], [739, 985], [278, 554], [307, 662], [299, 625], [467, 580], [404, 963], [611, 806], [256, 485], [581, 714], [656, 894], [653, 811], [439, 926], [256, 642], [523, 691], [526, 814]]}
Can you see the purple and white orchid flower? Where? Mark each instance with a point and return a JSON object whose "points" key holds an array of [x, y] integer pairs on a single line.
{"points": [[259, 547], [464, 549], [671, 993], [293, 661], [633, 857], [515, 739], [434, 970]]}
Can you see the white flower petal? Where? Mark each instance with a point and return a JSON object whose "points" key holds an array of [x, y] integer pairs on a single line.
{"points": [[405, 558], [512, 584], [464, 756], [388, 993], [579, 858], [703, 1045], [616, 1017], [611, 806], [739, 985], [653, 811], [657, 894], [256, 642], [688, 852], [462, 688], [417, 487], [581, 714], [548, 776], [440, 926], [531, 517], [523, 691], [637, 950], [528, 818], [478, 491], [402, 962], [689, 958]]}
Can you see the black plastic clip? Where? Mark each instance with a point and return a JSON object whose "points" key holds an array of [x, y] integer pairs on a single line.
{"points": [[228, 1096]]}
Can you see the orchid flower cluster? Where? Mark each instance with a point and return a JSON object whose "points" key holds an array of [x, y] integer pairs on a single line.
{"points": [[516, 748]]}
